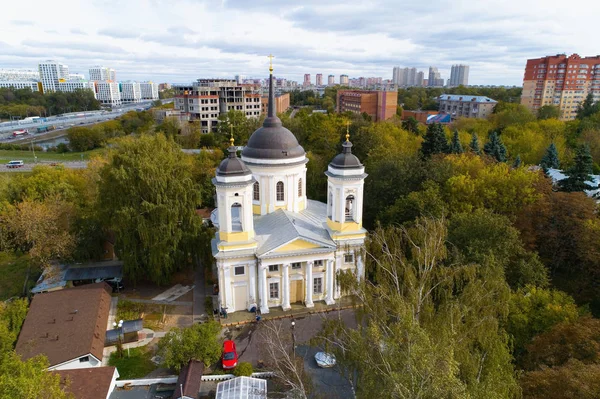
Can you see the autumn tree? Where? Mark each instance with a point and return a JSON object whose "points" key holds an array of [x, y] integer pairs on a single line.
{"points": [[548, 112], [148, 197], [199, 342]]}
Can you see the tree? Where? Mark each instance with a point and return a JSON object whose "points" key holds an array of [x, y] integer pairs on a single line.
{"points": [[495, 148], [517, 163], [199, 342], [575, 380], [29, 379], [578, 175], [455, 146], [12, 316], [148, 197], [588, 107], [411, 124], [85, 138], [474, 144], [435, 141], [548, 112], [550, 159]]}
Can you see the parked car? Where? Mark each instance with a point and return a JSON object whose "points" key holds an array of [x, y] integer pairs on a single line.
{"points": [[230, 356], [14, 164], [115, 283]]}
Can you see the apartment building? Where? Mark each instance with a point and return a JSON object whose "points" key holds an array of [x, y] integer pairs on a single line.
{"points": [[344, 80], [52, 72], [98, 73], [330, 80], [460, 105], [306, 79], [319, 79], [561, 80], [282, 103], [34, 86], [107, 93], [379, 105], [459, 75], [18, 74], [130, 92], [434, 79], [206, 99], [72, 85], [149, 90]]}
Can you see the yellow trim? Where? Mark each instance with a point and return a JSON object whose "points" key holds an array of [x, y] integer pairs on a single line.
{"points": [[302, 205], [284, 207], [348, 236], [256, 209], [343, 227], [236, 246], [297, 245], [236, 236]]}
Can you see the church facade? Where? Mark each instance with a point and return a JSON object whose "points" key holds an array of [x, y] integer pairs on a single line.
{"points": [[273, 245]]}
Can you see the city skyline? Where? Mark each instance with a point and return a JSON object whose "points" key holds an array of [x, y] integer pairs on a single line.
{"points": [[335, 39]]}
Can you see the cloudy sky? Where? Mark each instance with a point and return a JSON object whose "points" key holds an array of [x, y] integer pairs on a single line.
{"points": [[182, 40]]}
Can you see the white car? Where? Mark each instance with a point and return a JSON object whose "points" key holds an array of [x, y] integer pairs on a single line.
{"points": [[324, 359]]}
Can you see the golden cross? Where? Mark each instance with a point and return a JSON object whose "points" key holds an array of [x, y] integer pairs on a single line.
{"points": [[347, 131], [271, 56], [231, 139]]}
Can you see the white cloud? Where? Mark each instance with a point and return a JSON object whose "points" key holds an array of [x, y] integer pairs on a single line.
{"points": [[182, 40]]}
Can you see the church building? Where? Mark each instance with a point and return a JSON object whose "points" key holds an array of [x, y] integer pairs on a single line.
{"points": [[273, 245]]}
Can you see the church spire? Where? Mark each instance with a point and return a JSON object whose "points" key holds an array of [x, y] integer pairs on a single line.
{"points": [[347, 145], [272, 109]]}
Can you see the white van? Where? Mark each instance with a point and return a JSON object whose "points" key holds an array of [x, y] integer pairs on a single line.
{"points": [[15, 164]]}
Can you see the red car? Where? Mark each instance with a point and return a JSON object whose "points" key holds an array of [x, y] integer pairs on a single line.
{"points": [[230, 356]]}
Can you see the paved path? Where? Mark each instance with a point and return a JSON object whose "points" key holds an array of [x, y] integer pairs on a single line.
{"points": [[150, 335], [153, 302], [29, 166], [112, 312], [173, 293], [198, 311]]}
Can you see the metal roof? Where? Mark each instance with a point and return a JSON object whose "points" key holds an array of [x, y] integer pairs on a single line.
{"points": [[242, 388], [92, 271], [128, 327], [52, 278], [466, 98]]}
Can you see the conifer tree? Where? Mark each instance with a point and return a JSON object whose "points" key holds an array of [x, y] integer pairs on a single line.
{"points": [[435, 141], [495, 148], [517, 162], [579, 174], [455, 146], [474, 144], [550, 159]]}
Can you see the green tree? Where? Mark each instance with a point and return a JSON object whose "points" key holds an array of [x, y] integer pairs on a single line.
{"points": [[85, 138], [588, 107], [148, 197], [12, 316], [550, 159], [411, 125], [578, 175], [455, 146], [29, 379], [495, 148], [199, 342], [517, 162], [435, 141], [474, 144], [548, 112]]}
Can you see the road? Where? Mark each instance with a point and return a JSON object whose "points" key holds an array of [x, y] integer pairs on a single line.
{"points": [[29, 166]]}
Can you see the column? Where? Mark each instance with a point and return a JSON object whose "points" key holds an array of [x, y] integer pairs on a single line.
{"points": [[360, 267], [329, 297], [264, 294], [227, 295], [285, 305], [308, 302], [337, 268], [252, 288]]}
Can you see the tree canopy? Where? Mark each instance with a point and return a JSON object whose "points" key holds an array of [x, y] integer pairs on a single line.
{"points": [[199, 342]]}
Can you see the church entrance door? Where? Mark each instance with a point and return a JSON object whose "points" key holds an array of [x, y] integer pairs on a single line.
{"points": [[296, 291]]}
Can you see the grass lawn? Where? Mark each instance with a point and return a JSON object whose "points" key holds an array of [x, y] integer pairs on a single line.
{"points": [[13, 270], [27, 156], [138, 365]]}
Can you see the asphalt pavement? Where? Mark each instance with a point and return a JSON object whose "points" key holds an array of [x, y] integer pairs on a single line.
{"points": [[29, 166]]}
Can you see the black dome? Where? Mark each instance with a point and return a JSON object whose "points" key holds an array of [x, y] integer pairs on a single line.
{"points": [[346, 160], [232, 165], [273, 141]]}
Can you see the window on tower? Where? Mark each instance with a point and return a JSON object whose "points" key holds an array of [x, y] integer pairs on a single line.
{"points": [[280, 191], [350, 208], [300, 188], [256, 193], [236, 220]]}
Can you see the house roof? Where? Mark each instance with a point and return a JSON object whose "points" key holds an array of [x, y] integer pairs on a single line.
{"points": [[52, 278], [88, 383], [66, 324], [280, 227], [242, 387], [92, 271], [189, 379], [466, 98]]}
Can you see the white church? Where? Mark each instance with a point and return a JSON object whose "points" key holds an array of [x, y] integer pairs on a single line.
{"points": [[274, 246]]}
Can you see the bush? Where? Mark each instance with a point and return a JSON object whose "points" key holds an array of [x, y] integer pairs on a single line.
{"points": [[244, 369], [127, 310]]}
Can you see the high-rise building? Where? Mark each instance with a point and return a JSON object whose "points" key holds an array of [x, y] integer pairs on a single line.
{"points": [[344, 80], [306, 79], [319, 79], [149, 90], [206, 99], [459, 75], [101, 73], [411, 77], [330, 80], [434, 79], [395, 74], [561, 80], [420, 78], [130, 92], [52, 72], [379, 105], [240, 78], [107, 92]]}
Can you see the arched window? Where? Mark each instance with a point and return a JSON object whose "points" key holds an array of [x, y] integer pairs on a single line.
{"points": [[300, 188], [350, 208], [256, 193], [330, 206], [236, 217], [280, 192]]}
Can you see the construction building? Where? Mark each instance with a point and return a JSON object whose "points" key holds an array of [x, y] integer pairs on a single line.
{"points": [[561, 80], [206, 99], [464, 106], [379, 105], [282, 102]]}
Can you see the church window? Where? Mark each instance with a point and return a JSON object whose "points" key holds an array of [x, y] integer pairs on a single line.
{"points": [[273, 268], [256, 193], [280, 192], [236, 217], [274, 290], [296, 265], [318, 285], [348, 258], [300, 188], [330, 207], [350, 208], [240, 270]]}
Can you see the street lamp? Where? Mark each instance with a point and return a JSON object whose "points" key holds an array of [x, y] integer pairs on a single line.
{"points": [[293, 339], [120, 334]]}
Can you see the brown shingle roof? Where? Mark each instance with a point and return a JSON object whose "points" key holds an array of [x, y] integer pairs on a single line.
{"points": [[66, 324], [90, 383], [189, 379]]}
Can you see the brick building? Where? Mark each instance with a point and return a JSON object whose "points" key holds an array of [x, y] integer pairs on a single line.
{"points": [[560, 80], [282, 103], [379, 105]]}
